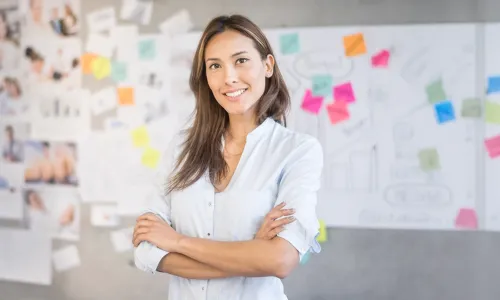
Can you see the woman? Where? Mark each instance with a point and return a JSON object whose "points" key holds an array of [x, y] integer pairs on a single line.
{"points": [[212, 230]]}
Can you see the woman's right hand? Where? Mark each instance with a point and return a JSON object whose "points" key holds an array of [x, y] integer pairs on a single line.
{"points": [[271, 226]]}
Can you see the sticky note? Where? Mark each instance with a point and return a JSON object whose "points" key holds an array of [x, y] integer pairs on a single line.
{"points": [[466, 219], [101, 67], [312, 103], [471, 108], [493, 84], [150, 157], [305, 258], [323, 233], [119, 71], [493, 146], [86, 62], [147, 49], [381, 59], [125, 96], [66, 258], [444, 112], [344, 93], [289, 43], [140, 136], [322, 85], [337, 112], [354, 44], [435, 92], [492, 112], [429, 159]]}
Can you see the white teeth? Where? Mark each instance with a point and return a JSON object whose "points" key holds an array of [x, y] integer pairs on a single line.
{"points": [[235, 94]]}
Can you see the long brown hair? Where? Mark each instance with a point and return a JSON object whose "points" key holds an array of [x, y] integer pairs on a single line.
{"points": [[202, 148]]}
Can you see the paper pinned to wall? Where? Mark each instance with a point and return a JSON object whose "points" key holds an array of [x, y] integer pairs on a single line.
{"points": [[18, 260], [100, 44], [125, 38], [122, 239], [104, 216], [137, 11], [104, 100], [66, 258], [179, 23], [101, 20], [11, 205]]}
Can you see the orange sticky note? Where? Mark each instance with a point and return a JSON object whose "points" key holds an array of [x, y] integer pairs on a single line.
{"points": [[466, 218], [354, 44], [150, 157], [125, 96], [140, 136], [87, 59], [323, 234]]}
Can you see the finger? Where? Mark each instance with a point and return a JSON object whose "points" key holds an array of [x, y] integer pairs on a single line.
{"points": [[282, 222], [144, 223], [148, 216], [276, 231], [141, 230], [273, 215]]}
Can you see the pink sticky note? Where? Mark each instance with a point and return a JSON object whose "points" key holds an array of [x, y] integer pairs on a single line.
{"points": [[493, 146], [466, 218], [337, 112], [381, 59], [344, 93], [312, 103]]}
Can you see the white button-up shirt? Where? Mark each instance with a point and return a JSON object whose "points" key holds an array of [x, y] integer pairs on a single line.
{"points": [[277, 164]]}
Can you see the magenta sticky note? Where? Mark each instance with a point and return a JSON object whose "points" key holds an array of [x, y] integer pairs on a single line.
{"points": [[466, 218], [312, 103], [337, 112], [493, 146], [344, 93], [381, 59]]}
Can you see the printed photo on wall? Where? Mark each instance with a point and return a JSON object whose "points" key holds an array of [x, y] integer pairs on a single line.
{"points": [[13, 104], [50, 163], [57, 17], [11, 181], [9, 37], [53, 211], [12, 141], [56, 61]]}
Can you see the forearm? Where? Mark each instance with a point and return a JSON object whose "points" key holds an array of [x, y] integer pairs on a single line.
{"points": [[246, 258], [180, 265]]}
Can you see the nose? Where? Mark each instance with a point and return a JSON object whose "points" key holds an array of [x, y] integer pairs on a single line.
{"points": [[231, 76]]}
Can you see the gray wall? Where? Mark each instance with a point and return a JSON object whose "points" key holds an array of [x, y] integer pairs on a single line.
{"points": [[355, 264]]}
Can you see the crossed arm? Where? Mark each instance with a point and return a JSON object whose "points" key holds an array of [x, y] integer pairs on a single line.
{"points": [[197, 258]]}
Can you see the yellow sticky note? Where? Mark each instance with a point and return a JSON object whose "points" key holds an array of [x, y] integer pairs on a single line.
{"points": [[323, 234], [101, 67], [492, 112], [140, 136], [150, 157]]}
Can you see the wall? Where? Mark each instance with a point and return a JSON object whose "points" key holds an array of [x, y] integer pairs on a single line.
{"points": [[355, 264]]}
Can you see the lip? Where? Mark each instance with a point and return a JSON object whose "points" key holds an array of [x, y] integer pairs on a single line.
{"points": [[233, 90], [237, 98]]}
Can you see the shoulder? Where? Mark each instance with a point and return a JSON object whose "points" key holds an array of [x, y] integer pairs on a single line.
{"points": [[296, 143]]}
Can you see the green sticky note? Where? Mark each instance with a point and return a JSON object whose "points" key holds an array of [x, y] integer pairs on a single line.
{"points": [[147, 49], [119, 71], [471, 108], [435, 92], [289, 43], [429, 159], [322, 85], [492, 112]]}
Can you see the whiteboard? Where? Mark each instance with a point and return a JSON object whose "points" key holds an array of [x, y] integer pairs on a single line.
{"points": [[492, 129], [393, 163]]}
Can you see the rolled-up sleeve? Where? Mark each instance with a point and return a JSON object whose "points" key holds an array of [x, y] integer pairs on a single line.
{"points": [[146, 255], [298, 188]]}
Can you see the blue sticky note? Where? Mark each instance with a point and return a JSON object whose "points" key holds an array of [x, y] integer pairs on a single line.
{"points": [[444, 112], [289, 43], [305, 258], [493, 84], [322, 85], [147, 49], [119, 71]]}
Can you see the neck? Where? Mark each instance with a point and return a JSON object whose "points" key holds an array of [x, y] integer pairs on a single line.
{"points": [[240, 126]]}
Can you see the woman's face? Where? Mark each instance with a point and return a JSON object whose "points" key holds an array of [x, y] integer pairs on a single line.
{"points": [[36, 8], [235, 72]]}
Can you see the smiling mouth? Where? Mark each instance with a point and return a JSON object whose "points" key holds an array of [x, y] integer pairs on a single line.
{"points": [[236, 93]]}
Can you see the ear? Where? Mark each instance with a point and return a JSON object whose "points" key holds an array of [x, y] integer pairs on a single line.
{"points": [[269, 64]]}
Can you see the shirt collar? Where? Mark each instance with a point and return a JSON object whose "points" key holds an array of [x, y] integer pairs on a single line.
{"points": [[258, 132]]}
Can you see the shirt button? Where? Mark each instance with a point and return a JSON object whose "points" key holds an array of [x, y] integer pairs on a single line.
{"points": [[209, 203], [208, 234], [202, 288]]}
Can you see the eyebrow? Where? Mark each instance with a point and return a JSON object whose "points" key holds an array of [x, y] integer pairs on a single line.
{"points": [[235, 54]]}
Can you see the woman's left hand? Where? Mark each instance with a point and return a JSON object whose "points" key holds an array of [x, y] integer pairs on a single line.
{"points": [[153, 229]]}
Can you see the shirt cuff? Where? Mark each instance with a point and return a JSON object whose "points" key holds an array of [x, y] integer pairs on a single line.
{"points": [[155, 256]]}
